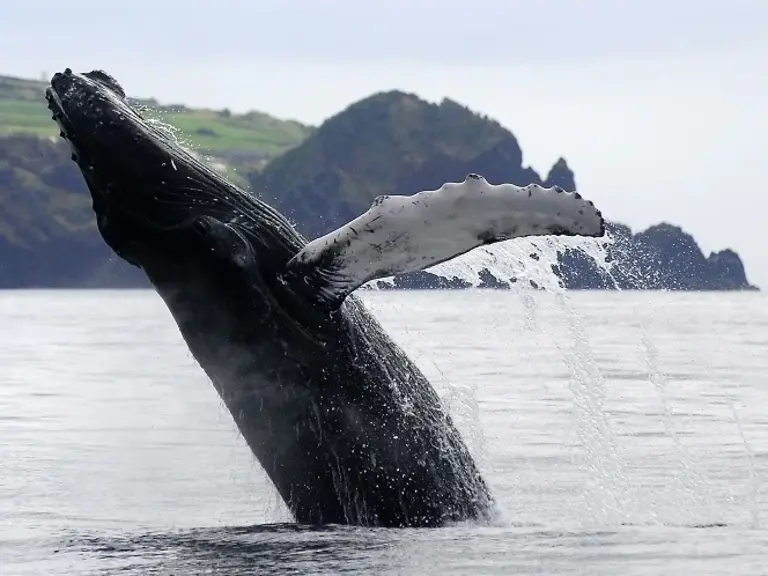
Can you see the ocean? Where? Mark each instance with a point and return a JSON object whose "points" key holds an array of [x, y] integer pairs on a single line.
{"points": [[620, 432]]}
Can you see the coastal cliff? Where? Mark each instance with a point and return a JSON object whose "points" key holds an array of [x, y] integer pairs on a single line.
{"points": [[389, 143], [395, 143]]}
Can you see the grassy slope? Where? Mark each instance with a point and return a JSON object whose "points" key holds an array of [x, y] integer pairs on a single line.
{"points": [[47, 229], [248, 137]]}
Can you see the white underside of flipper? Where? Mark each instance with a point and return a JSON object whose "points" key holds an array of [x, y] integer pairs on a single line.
{"points": [[400, 234]]}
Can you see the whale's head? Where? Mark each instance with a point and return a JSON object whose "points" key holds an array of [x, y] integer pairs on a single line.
{"points": [[156, 204]]}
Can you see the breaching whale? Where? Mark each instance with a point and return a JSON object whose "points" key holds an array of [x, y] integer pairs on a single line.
{"points": [[343, 422]]}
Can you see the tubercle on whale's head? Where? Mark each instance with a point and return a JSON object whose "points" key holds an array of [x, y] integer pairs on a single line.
{"points": [[149, 193]]}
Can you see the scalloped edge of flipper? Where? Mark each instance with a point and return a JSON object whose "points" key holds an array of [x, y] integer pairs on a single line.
{"points": [[401, 234]]}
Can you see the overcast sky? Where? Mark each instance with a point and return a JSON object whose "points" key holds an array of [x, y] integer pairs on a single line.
{"points": [[658, 106]]}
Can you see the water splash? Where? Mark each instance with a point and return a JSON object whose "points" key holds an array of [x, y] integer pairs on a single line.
{"points": [[532, 264], [694, 493], [613, 501], [462, 402], [610, 497], [691, 484], [155, 117], [754, 478], [523, 262], [607, 496], [513, 260]]}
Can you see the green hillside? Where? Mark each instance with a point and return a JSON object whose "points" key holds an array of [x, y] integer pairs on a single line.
{"points": [[241, 140]]}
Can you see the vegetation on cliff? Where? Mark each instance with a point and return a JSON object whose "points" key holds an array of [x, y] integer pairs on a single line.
{"points": [[243, 141]]}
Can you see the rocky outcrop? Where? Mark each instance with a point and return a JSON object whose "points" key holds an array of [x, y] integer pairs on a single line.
{"points": [[663, 257]]}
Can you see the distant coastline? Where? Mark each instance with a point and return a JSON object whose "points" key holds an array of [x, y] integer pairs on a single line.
{"points": [[320, 177]]}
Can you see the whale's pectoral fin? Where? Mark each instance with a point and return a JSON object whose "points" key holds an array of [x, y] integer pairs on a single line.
{"points": [[400, 234]]}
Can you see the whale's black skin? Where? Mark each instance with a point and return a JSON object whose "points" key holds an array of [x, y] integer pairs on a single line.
{"points": [[345, 425]]}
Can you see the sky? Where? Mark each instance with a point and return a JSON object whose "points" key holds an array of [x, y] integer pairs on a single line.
{"points": [[659, 107]]}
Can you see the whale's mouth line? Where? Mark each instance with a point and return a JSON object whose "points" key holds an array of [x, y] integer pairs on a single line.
{"points": [[58, 114]]}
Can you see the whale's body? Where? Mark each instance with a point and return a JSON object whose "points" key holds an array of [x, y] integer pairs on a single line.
{"points": [[345, 425]]}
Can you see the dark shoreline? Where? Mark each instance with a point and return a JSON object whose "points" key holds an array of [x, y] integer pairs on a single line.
{"points": [[750, 290]]}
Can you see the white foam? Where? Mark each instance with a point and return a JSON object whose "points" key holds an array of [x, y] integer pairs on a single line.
{"points": [[529, 261]]}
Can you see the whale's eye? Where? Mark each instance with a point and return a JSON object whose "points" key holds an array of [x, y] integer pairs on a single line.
{"points": [[107, 80]]}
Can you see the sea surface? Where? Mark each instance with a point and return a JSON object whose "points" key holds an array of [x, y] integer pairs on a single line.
{"points": [[621, 433]]}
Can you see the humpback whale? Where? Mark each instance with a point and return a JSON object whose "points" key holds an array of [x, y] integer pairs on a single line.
{"points": [[345, 425]]}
